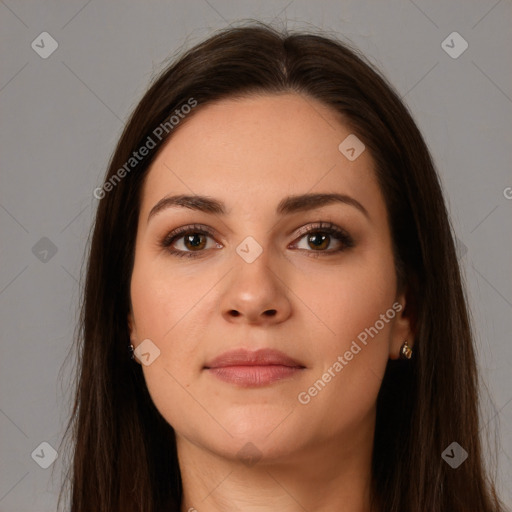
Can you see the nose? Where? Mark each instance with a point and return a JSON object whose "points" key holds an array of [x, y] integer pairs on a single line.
{"points": [[255, 294]]}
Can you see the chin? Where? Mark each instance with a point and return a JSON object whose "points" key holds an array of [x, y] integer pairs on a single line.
{"points": [[271, 440]]}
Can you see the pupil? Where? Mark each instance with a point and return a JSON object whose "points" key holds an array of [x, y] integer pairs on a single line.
{"points": [[197, 243], [318, 238]]}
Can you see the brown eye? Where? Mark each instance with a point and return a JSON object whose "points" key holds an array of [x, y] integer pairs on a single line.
{"points": [[194, 241], [318, 239], [188, 241]]}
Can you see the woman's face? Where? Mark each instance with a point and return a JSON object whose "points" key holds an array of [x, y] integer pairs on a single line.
{"points": [[257, 280]]}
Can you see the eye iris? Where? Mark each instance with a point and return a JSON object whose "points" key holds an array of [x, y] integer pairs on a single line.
{"points": [[194, 240], [318, 240]]}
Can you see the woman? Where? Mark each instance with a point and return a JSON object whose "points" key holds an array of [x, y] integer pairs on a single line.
{"points": [[273, 251]]}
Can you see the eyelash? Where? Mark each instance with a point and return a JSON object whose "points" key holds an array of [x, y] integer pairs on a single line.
{"points": [[320, 227]]}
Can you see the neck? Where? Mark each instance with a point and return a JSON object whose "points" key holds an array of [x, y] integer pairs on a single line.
{"points": [[327, 475]]}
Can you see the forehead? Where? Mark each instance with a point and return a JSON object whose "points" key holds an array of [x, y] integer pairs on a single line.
{"points": [[253, 151]]}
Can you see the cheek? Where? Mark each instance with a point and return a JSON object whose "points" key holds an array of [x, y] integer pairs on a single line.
{"points": [[344, 299], [164, 307], [163, 314], [162, 297], [355, 316]]}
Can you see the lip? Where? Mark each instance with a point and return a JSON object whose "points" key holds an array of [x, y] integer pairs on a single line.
{"points": [[243, 357], [253, 368]]}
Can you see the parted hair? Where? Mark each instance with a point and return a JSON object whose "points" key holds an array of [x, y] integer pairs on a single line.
{"points": [[123, 453]]}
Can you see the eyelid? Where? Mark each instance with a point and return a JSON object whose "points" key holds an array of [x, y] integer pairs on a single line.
{"points": [[325, 227], [183, 230]]}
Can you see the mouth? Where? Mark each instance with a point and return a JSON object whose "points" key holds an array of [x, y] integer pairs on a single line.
{"points": [[252, 369]]}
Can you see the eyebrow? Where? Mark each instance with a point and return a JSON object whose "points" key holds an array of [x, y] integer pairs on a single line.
{"points": [[287, 206]]}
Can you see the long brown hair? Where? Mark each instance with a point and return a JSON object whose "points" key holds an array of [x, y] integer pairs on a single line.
{"points": [[124, 457]]}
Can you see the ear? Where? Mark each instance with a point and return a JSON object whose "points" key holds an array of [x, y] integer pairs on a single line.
{"points": [[403, 327], [133, 333]]}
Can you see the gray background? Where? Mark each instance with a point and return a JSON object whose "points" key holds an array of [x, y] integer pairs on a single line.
{"points": [[61, 117]]}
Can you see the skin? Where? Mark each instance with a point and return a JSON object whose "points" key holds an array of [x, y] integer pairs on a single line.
{"points": [[251, 153]]}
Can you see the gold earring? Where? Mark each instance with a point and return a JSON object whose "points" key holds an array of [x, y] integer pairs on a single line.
{"points": [[405, 351], [131, 349]]}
